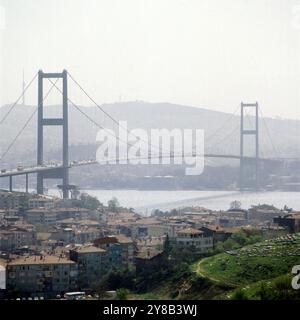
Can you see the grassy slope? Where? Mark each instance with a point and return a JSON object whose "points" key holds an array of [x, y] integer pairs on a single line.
{"points": [[253, 263], [237, 271]]}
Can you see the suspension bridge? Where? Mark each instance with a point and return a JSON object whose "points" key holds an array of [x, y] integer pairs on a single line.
{"points": [[60, 170]]}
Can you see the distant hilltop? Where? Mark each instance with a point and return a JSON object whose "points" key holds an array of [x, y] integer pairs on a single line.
{"points": [[221, 129]]}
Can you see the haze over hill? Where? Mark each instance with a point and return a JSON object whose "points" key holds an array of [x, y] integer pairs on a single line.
{"points": [[221, 129]]}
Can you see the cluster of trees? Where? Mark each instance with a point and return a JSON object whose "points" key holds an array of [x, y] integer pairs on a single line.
{"points": [[238, 240], [87, 201], [160, 213]]}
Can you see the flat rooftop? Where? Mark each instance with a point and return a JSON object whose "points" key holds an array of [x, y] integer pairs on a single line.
{"points": [[189, 231], [39, 260], [89, 249]]}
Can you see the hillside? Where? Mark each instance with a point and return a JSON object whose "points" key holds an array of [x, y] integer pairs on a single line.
{"points": [[259, 271], [265, 260], [146, 116]]}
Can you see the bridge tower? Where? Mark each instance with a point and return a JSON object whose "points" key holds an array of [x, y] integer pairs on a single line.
{"points": [[61, 172], [249, 167]]}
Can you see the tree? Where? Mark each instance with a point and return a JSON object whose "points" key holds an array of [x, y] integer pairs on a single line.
{"points": [[89, 202], [101, 288], [122, 294], [120, 279], [240, 237], [264, 292], [113, 205], [240, 294], [230, 244], [235, 205], [167, 245]]}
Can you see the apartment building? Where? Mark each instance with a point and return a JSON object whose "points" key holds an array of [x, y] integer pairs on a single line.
{"points": [[91, 263], [128, 250], [41, 275], [40, 216], [13, 237], [290, 221], [41, 202], [113, 249], [86, 234], [12, 200], [194, 238]]}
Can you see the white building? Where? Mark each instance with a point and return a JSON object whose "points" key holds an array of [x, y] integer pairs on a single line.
{"points": [[41, 216], [194, 238], [41, 202], [2, 277]]}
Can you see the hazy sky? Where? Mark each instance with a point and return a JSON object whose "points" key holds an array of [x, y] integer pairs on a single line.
{"points": [[209, 53]]}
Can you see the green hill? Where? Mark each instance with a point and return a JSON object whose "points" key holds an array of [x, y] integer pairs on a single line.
{"points": [[261, 261]]}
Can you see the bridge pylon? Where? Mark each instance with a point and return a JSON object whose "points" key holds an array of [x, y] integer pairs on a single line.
{"points": [[247, 165], [61, 172]]}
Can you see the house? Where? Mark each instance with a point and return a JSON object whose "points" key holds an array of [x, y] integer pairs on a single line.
{"points": [[11, 216], [64, 235], [51, 216], [41, 202], [12, 200], [218, 233], [2, 214], [263, 214], [146, 227], [44, 275], [2, 276], [41, 216], [91, 263], [114, 250], [194, 238], [150, 260], [290, 221], [13, 237], [66, 213], [128, 250], [86, 234], [232, 222]]}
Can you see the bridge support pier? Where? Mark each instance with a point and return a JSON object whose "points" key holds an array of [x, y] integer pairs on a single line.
{"points": [[10, 184], [26, 183], [62, 173]]}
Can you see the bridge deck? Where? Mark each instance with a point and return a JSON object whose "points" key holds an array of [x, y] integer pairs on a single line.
{"points": [[48, 168]]}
